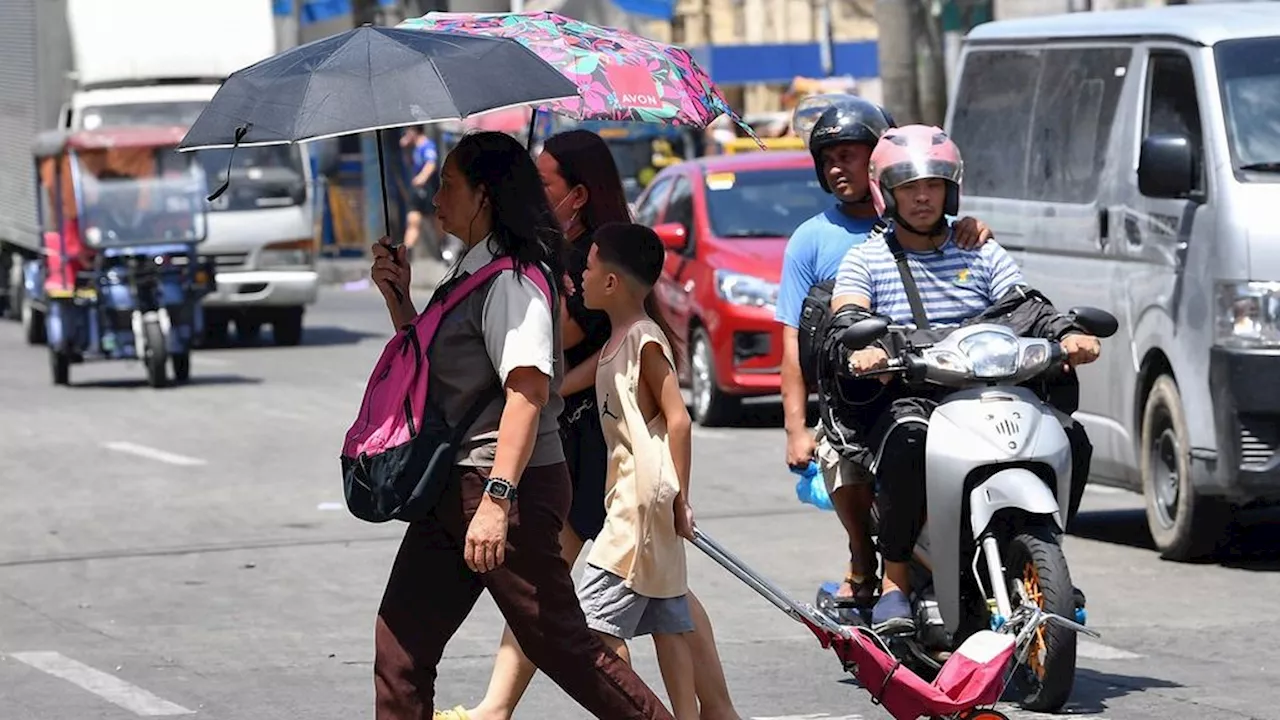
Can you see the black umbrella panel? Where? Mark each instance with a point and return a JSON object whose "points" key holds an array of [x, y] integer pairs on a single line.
{"points": [[369, 79]]}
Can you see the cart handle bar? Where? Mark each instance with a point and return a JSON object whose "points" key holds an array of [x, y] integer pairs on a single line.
{"points": [[802, 612]]}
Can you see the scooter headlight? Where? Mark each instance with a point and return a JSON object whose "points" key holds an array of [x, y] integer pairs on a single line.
{"points": [[992, 354]]}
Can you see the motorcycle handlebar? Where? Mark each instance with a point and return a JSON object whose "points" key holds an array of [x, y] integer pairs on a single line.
{"points": [[914, 367]]}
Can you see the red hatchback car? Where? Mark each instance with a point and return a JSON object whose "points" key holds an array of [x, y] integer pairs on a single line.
{"points": [[725, 221]]}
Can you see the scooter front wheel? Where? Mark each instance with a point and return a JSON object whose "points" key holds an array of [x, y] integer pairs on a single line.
{"points": [[1035, 558]]}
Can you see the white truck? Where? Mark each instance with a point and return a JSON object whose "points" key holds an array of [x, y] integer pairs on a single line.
{"points": [[87, 64]]}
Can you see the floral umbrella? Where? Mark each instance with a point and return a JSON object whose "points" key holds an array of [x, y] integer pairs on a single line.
{"points": [[620, 75]]}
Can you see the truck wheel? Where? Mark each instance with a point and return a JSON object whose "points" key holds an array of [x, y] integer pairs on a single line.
{"points": [[248, 332], [711, 406], [156, 355], [33, 328], [1184, 524], [286, 329]]}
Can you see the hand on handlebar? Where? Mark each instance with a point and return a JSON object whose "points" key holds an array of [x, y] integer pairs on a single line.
{"points": [[869, 360], [1080, 349]]}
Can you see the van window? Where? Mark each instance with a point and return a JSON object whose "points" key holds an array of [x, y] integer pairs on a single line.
{"points": [[1079, 91], [992, 120], [1249, 72], [1171, 103]]}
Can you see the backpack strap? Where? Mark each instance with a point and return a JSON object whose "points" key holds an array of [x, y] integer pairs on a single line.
{"points": [[465, 288], [908, 280], [474, 280]]}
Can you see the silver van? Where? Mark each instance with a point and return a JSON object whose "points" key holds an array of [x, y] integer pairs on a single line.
{"points": [[1130, 159]]}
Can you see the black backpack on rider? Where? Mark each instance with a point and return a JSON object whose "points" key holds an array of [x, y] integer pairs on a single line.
{"points": [[815, 321]]}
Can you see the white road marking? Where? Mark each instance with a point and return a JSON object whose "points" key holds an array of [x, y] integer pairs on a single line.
{"points": [[330, 506], [151, 453], [1104, 490], [108, 687], [1098, 651]]}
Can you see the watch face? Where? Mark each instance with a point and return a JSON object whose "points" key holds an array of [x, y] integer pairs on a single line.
{"points": [[499, 489]]}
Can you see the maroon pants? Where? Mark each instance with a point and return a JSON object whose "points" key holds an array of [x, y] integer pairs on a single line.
{"points": [[431, 591]]}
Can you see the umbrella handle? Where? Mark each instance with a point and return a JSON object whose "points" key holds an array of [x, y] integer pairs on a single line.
{"points": [[386, 209]]}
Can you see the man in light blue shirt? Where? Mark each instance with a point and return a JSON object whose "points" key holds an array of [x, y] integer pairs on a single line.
{"points": [[840, 142]]}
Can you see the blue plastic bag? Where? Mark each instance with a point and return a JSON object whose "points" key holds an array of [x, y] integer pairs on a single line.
{"points": [[811, 488]]}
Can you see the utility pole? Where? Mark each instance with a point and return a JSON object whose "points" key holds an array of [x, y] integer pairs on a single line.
{"points": [[896, 48]]}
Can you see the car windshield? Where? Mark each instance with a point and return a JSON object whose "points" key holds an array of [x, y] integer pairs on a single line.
{"points": [[1249, 71], [764, 202], [122, 209]]}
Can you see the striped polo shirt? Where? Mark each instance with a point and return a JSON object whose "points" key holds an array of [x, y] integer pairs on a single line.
{"points": [[954, 284]]}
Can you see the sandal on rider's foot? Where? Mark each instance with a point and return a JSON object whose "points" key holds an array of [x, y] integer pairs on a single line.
{"points": [[864, 592], [892, 614], [458, 713]]}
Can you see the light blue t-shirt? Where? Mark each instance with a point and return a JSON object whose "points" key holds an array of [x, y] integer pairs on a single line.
{"points": [[954, 284], [813, 255]]}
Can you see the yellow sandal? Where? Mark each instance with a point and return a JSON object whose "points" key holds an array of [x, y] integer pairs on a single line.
{"points": [[458, 713]]}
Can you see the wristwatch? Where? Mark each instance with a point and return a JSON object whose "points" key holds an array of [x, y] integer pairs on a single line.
{"points": [[500, 489]]}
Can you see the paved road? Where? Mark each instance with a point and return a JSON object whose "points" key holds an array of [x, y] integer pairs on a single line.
{"points": [[185, 550]]}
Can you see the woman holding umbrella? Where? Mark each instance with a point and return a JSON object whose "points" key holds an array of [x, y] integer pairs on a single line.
{"points": [[584, 190], [491, 198]]}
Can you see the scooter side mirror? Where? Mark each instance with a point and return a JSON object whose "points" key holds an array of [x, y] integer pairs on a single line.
{"points": [[1095, 321], [864, 332]]}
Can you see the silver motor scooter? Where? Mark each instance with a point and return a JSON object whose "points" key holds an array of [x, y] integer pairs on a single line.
{"points": [[997, 462]]}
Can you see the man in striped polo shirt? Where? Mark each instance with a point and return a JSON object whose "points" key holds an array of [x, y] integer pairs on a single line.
{"points": [[915, 183]]}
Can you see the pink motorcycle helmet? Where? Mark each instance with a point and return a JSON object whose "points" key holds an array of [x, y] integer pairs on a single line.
{"points": [[910, 153]]}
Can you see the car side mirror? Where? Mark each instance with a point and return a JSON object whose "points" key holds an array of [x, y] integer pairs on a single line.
{"points": [[864, 332], [673, 236], [1166, 167], [1094, 321]]}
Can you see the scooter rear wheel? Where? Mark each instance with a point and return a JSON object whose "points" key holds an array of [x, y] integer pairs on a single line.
{"points": [[1036, 559]]}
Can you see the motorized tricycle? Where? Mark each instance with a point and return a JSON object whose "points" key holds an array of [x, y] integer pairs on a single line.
{"points": [[997, 461], [122, 214]]}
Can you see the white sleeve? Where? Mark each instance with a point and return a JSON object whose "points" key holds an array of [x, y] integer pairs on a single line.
{"points": [[518, 331]]}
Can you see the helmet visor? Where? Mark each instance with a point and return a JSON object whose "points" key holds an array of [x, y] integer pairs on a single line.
{"points": [[919, 168]]}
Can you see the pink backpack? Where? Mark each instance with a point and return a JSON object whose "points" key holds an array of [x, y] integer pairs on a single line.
{"points": [[399, 452]]}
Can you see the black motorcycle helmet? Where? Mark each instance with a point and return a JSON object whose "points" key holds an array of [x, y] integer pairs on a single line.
{"points": [[850, 120]]}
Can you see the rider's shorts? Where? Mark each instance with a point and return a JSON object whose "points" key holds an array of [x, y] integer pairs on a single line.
{"points": [[838, 471]]}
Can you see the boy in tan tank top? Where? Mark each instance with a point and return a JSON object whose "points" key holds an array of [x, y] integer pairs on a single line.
{"points": [[635, 580]]}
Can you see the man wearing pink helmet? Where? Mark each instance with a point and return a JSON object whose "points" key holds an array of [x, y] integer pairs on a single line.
{"points": [[915, 175], [840, 142]]}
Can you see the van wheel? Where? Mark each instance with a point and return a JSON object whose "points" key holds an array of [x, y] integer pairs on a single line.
{"points": [[711, 406], [1184, 525]]}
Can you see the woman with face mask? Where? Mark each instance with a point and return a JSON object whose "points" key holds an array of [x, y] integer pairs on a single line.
{"points": [[585, 192]]}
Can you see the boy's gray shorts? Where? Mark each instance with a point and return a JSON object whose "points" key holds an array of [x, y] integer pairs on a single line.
{"points": [[615, 609]]}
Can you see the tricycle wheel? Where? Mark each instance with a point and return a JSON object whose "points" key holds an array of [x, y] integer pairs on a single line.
{"points": [[181, 367], [156, 355], [59, 367], [1037, 560]]}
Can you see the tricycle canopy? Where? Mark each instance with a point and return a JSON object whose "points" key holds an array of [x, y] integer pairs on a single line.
{"points": [[119, 187]]}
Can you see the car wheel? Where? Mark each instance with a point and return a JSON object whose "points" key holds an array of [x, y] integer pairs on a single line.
{"points": [[711, 406]]}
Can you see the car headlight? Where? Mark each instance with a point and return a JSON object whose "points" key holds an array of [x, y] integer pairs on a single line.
{"points": [[991, 354], [286, 254], [746, 290], [1248, 314]]}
